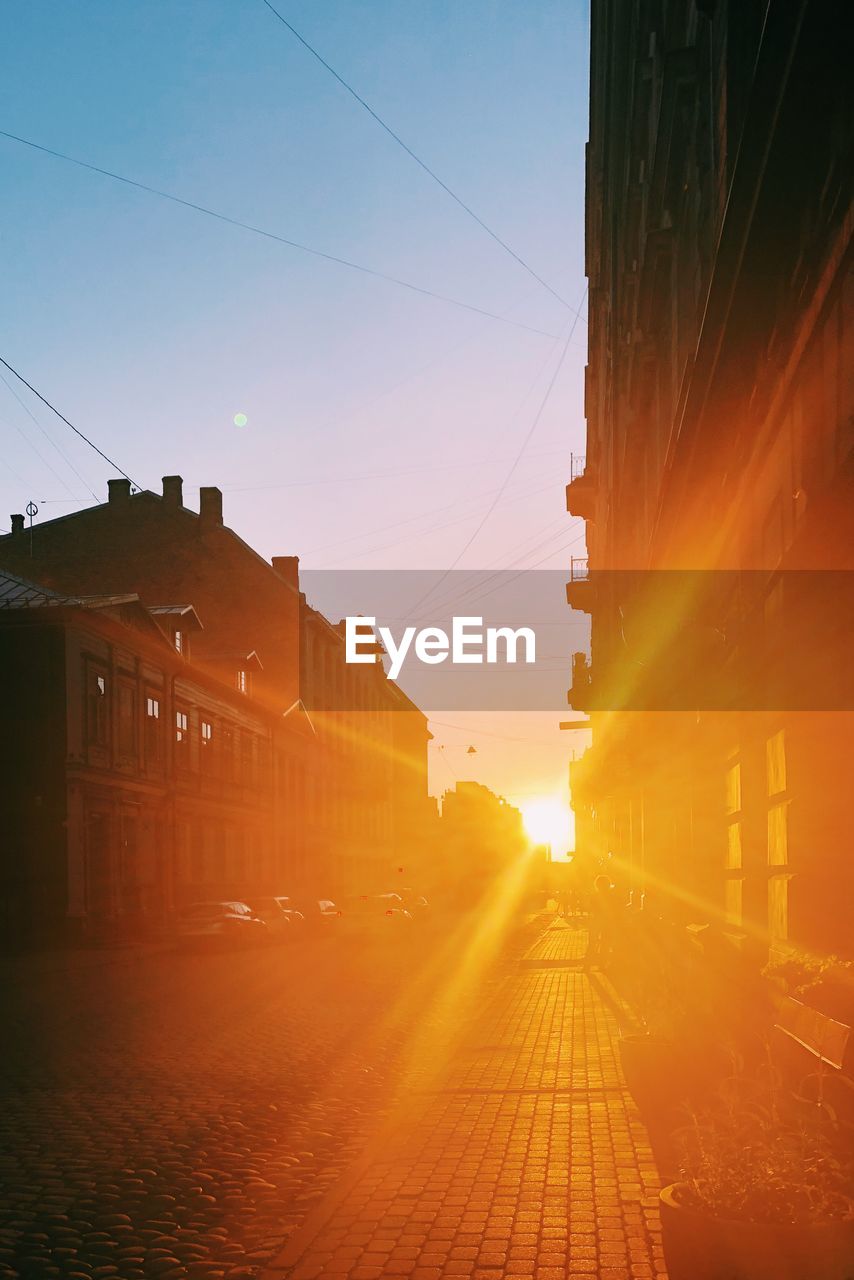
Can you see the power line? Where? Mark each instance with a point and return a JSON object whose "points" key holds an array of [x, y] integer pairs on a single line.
{"points": [[272, 235], [421, 163], [63, 418], [42, 459], [49, 438], [499, 576], [514, 464], [473, 731], [434, 528], [372, 475]]}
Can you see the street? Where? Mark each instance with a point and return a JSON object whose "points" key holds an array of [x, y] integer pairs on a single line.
{"points": [[174, 1113], [324, 1108]]}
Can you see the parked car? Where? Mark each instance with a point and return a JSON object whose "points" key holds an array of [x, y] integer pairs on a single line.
{"points": [[415, 903], [374, 914], [224, 923], [280, 916], [317, 913]]}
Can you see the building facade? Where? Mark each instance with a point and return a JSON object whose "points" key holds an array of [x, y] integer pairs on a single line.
{"points": [[720, 426], [482, 840], [132, 783], [339, 803]]}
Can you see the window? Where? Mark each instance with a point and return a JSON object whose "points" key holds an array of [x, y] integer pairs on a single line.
{"points": [[97, 708], [778, 906], [207, 736], [242, 681], [247, 762], [733, 845], [227, 752], [182, 731], [127, 719], [179, 641], [778, 836], [152, 731], [733, 864], [775, 761], [733, 902], [733, 789]]}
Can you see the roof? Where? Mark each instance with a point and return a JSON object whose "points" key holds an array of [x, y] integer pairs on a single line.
{"points": [[143, 497], [247, 661], [18, 593], [20, 596], [185, 611], [299, 711]]}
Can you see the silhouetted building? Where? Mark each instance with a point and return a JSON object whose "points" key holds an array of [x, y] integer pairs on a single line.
{"points": [[340, 802], [719, 438], [482, 834], [131, 781]]}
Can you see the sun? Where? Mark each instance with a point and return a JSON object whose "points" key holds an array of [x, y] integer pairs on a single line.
{"points": [[548, 820]]}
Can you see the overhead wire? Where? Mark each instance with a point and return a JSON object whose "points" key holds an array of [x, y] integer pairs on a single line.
{"points": [[486, 733], [517, 459], [358, 477], [42, 459], [483, 589], [28, 411], [63, 418], [272, 235], [435, 528], [413, 155]]}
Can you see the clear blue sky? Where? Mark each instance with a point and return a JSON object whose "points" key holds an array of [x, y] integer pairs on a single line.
{"points": [[150, 326]]}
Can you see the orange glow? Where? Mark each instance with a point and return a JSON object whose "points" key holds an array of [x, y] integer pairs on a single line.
{"points": [[548, 821]]}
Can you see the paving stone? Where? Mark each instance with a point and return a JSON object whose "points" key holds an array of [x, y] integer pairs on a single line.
{"points": [[526, 1155]]}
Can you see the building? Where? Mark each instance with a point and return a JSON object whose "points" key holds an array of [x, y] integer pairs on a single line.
{"points": [[482, 835], [132, 782], [341, 803], [720, 424], [372, 810]]}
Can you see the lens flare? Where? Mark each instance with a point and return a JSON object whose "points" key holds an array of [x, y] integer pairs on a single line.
{"points": [[240, 419], [548, 821]]}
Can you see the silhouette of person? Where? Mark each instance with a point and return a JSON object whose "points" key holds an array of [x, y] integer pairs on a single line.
{"points": [[602, 921]]}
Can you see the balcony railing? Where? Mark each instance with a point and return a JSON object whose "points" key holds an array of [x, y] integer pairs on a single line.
{"points": [[578, 569], [578, 696], [581, 489]]}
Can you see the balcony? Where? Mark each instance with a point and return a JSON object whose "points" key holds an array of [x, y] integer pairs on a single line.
{"points": [[581, 490], [578, 696], [579, 589]]}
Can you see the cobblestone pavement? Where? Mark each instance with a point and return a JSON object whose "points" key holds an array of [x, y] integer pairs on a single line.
{"points": [[522, 1156], [173, 1115]]}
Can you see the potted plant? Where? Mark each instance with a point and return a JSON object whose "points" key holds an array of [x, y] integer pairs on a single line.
{"points": [[764, 1192], [674, 1055]]}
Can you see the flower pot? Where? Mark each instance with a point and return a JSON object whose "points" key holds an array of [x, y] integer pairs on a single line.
{"points": [[649, 1065], [699, 1246], [655, 1079]]}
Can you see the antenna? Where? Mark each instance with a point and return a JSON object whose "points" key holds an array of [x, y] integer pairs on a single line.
{"points": [[32, 510]]}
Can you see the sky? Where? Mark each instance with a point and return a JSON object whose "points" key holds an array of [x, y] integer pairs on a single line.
{"points": [[383, 428]]}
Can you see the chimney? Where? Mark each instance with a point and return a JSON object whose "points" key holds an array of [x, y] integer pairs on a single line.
{"points": [[119, 490], [287, 567], [173, 491], [210, 505], [17, 524]]}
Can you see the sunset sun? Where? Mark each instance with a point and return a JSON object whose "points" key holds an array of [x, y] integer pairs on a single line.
{"points": [[548, 821]]}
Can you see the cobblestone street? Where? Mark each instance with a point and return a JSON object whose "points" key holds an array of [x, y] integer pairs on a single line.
{"points": [[524, 1157], [322, 1110], [176, 1114]]}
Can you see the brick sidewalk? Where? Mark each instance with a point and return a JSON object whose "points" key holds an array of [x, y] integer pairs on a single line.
{"points": [[525, 1158]]}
